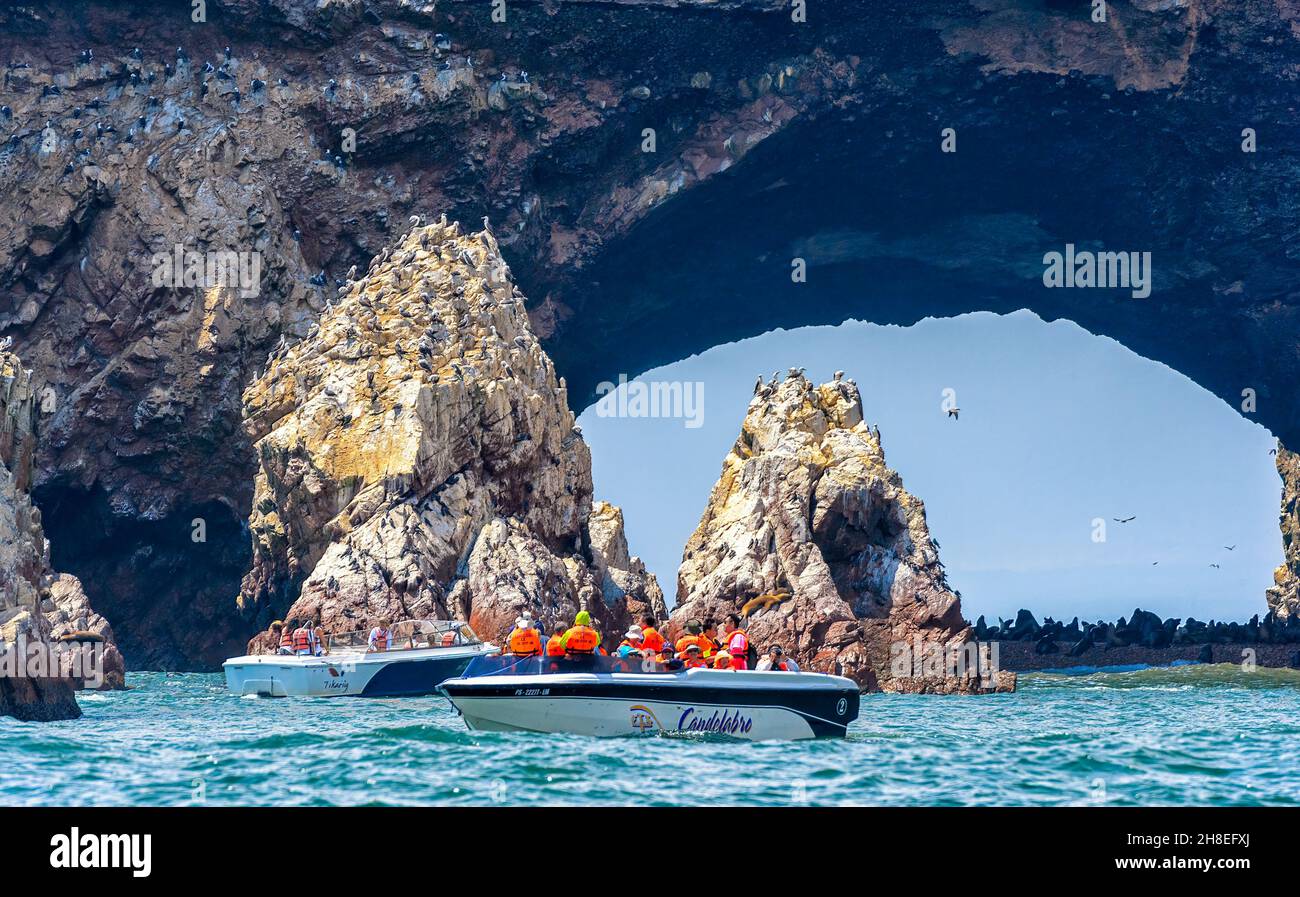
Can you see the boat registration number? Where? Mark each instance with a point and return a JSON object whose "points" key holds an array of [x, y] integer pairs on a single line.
{"points": [[532, 691]]}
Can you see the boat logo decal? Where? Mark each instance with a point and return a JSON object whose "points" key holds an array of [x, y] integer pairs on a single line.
{"points": [[644, 718], [726, 722], [334, 672], [842, 707]]}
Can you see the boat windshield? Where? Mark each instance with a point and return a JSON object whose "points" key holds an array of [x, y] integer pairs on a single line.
{"points": [[408, 635], [513, 665]]}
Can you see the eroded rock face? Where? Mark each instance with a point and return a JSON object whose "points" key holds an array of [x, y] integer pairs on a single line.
{"points": [[417, 457], [807, 512], [35, 602], [1284, 596]]}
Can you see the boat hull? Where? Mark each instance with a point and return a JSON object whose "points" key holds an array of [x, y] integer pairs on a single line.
{"points": [[790, 707], [378, 675]]}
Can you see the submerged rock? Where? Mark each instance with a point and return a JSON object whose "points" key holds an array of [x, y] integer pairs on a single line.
{"points": [[417, 457], [806, 507]]}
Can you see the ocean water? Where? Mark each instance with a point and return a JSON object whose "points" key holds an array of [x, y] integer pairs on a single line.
{"points": [[1189, 735]]}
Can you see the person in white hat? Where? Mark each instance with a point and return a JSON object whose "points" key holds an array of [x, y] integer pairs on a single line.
{"points": [[632, 642]]}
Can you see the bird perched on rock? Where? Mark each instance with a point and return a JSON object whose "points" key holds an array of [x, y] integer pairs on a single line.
{"points": [[838, 376]]}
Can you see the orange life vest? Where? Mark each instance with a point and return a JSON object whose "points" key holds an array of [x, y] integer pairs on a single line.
{"points": [[722, 661], [693, 662], [651, 638], [525, 642], [581, 640], [381, 640], [554, 648], [302, 640], [706, 646], [286, 637]]}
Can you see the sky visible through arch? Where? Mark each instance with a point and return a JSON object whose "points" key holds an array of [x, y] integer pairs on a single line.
{"points": [[1057, 427]]}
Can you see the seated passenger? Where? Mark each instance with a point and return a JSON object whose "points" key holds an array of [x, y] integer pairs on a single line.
{"points": [[650, 636], [777, 661], [694, 636], [580, 638], [524, 640], [709, 640], [380, 637], [693, 657], [304, 639], [555, 645], [632, 642], [282, 633], [722, 661]]}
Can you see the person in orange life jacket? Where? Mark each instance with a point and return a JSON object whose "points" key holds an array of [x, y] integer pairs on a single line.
{"points": [[555, 645], [580, 638], [380, 637], [777, 661], [693, 657], [693, 636], [711, 636], [524, 640], [650, 636], [736, 643], [722, 661], [283, 633], [304, 639]]}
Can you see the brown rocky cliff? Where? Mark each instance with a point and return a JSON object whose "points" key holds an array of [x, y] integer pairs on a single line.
{"points": [[417, 457], [1284, 597], [807, 510], [37, 605]]}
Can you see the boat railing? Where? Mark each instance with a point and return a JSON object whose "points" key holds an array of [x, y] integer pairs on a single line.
{"points": [[515, 665], [407, 635]]}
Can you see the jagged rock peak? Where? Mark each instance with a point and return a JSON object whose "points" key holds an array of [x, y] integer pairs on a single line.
{"points": [[418, 456], [1284, 597], [812, 537], [36, 604]]}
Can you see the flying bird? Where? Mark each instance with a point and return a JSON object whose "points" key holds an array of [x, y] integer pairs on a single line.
{"points": [[1215, 566], [1230, 547], [953, 412], [1124, 519]]}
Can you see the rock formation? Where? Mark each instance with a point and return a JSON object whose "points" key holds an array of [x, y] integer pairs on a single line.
{"points": [[1284, 596], [160, 137], [38, 607], [417, 457], [807, 513]]}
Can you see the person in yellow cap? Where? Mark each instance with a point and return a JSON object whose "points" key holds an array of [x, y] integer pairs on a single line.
{"points": [[580, 638]]}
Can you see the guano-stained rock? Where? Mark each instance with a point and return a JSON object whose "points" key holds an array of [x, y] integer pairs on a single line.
{"points": [[417, 457], [807, 513], [1284, 597]]}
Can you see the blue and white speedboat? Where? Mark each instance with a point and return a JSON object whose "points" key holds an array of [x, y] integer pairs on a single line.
{"points": [[604, 696], [423, 654]]}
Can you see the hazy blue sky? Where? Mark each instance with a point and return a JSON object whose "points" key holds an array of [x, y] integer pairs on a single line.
{"points": [[1058, 426]]}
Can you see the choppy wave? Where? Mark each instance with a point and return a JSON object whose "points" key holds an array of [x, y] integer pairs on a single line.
{"points": [[1186, 735]]}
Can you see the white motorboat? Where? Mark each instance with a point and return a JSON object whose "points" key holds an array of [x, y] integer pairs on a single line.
{"points": [[604, 696], [423, 653]]}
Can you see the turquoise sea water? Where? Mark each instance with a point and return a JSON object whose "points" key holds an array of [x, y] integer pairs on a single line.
{"points": [[1188, 735]]}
